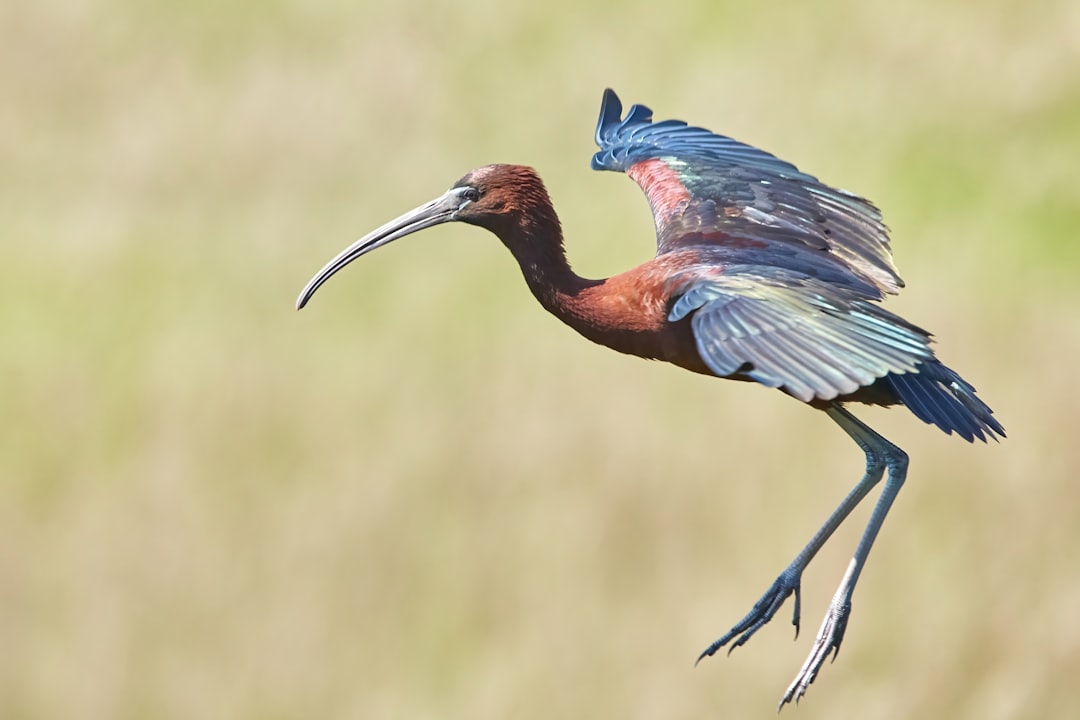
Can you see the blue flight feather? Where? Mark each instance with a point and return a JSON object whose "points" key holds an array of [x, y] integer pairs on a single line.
{"points": [[736, 193], [626, 141]]}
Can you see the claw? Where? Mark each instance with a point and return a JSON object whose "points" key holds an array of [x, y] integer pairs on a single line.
{"points": [[798, 610]]}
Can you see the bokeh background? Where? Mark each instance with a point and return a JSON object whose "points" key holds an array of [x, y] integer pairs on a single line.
{"points": [[422, 496]]}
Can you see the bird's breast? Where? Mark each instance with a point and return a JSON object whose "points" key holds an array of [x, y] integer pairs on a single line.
{"points": [[629, 313]]}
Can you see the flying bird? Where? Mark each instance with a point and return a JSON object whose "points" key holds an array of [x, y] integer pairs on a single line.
{"points": [[763, 274]]}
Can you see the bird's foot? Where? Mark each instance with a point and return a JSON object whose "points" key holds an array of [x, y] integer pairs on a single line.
{"points": [[828, 640], [762, 612]]}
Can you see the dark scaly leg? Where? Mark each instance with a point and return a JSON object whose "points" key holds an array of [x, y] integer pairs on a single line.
{"points": [[832, 629], [879, 455], [789, 580]]}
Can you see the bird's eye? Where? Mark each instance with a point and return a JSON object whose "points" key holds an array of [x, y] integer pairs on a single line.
{"points": [[471, 194]]}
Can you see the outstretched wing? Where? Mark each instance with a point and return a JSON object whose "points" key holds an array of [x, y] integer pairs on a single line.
{"points": [[708, 190]]}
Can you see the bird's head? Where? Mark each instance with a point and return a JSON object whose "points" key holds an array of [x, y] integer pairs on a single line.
{"points": [[495, 197]]}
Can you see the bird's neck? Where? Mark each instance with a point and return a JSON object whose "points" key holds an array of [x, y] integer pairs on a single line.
{"points": [[604, 311], [537, 245], [617, 312]]}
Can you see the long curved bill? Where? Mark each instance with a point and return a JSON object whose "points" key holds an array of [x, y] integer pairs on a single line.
{"points": [[440, 210]]}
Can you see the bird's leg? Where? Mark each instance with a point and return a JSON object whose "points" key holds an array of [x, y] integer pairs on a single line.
{"points": [[832, 628], [788, 581]]}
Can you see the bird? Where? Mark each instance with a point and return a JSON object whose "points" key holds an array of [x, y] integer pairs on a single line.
{"points": [[762, 274]]}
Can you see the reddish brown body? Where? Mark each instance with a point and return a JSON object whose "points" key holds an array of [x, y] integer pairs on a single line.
{"points": [[628, 313]]}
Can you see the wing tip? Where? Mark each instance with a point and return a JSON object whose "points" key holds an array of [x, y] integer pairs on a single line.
{"points": [[610, 123], [606, 126], [610, 114]]}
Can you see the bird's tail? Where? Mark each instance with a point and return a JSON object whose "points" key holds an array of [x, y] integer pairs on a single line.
{"points": [[939, 396]]}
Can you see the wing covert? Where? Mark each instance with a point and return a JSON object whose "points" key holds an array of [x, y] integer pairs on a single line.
{"points": [[709, 189], [791, 331]]}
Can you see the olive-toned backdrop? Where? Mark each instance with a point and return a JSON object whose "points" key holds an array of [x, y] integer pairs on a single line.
{"points": [[422, 497]]}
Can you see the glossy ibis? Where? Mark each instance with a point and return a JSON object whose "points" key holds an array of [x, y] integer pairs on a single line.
{"points": [[762, 273]]}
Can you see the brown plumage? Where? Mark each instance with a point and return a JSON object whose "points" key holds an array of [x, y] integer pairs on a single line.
{"points": [[762, 274]]}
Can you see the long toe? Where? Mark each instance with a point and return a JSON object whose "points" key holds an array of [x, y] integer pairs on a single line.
{"points": [[762, 612], [828, 641]]}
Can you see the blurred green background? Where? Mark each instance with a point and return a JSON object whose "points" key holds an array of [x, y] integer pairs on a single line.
{"points": [[423, 497]]}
